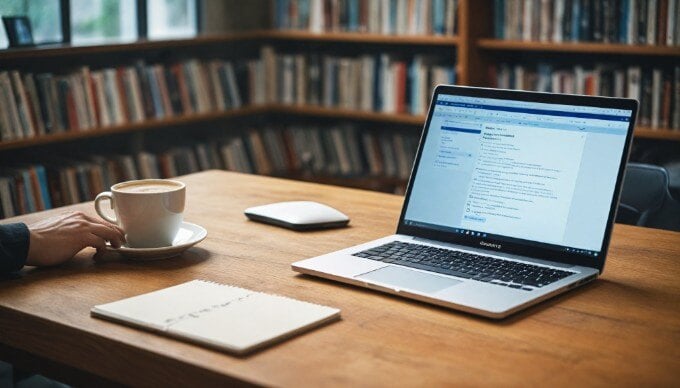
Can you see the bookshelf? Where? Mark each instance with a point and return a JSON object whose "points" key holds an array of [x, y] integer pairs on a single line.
{"points": [[473, 47]]}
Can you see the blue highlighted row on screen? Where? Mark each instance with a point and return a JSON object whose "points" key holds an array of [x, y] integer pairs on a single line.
{"points": [[475, 218], [464, 130], [547, 112]]}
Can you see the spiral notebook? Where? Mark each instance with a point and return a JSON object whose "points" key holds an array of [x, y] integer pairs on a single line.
{"points": [[224, 317]]}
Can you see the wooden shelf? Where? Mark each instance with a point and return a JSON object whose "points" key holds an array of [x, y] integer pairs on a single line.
{"points": [[660, 133], [349, 114], [58, 50], [589, 48], [357, 37], [146, 125]]}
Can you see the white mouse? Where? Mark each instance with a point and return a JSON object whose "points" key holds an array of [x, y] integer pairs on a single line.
{"points": [[298, 215]]}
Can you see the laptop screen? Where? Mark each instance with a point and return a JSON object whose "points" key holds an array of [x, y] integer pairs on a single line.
{"points": [[519, 171]]}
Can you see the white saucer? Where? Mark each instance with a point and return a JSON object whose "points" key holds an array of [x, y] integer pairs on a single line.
{"points": [[189, 235]]}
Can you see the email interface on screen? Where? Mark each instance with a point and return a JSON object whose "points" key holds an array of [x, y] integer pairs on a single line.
{"points": [[511, 170]]}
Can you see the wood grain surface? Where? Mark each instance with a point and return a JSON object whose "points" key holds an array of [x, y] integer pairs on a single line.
{"points": [[622, 330]]}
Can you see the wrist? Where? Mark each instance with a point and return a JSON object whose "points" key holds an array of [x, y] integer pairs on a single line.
{"points": [[15, 241], [33, 248]]}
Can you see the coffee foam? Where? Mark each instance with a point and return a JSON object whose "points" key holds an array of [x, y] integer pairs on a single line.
{"points": [[148, 188]]}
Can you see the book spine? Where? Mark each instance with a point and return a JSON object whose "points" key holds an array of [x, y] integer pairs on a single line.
{"points": [[44, 186], [88, 92], [155, 93], [79, 101], [499, 18], [29, 195], [182, 87], [68, 104], [6, 132], [642, 21], [100, 94], [224, 98], [661, 16], [545, 24], [10, 113], [646, 98], [25, 117], [672, 19], [173, 90], [34, 183], [164, 92], [145, 87], [34, 104], [676, 98], [656, 94], [650, 37]]}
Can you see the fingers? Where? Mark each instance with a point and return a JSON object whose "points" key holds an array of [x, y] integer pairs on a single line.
{"points": [[92, 240], [100, 230], [110, 234], [95, 220]]}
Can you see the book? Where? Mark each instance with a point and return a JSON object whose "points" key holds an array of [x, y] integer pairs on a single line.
{"points": [[224, 317], [675, 120]]}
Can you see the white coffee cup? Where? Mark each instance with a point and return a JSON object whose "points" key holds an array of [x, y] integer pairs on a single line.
{"points": [[150, 211]]}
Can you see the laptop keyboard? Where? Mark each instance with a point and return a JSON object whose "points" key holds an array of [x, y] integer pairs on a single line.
{"points": [[465, 265]]}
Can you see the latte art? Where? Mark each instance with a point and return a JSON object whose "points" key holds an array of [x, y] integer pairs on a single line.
{"points": [[148, 188]]}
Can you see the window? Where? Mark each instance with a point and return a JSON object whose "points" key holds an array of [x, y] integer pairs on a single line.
{"points": [[104, 21], [171, 18], [101, 21], [45, 17], [4, 42]]}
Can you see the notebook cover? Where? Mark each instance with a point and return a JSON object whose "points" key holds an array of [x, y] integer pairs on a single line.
{"points": [[223, 317]]}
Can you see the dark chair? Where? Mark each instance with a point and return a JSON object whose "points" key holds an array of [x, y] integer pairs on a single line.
{"points": [[673, 169], [645, 188]]}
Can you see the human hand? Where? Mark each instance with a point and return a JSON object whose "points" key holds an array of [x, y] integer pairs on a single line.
{"points": [[57, 239]]}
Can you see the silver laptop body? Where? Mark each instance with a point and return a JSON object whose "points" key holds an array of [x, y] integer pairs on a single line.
{"points": [[511, 200]]}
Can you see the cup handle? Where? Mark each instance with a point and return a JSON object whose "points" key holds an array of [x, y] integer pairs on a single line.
{"points": [[97, 203]]}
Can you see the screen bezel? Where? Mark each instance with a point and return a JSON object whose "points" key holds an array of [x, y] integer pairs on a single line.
{"points": [[540, 251]]}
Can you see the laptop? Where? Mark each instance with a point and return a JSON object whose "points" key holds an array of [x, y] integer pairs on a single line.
{"points": [[511, 201]]}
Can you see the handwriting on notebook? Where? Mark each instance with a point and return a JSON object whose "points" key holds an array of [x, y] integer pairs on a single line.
{"points": [[197, 314]]}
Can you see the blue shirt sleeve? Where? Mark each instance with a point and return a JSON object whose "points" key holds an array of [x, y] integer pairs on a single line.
{"points": [[14, 240]]}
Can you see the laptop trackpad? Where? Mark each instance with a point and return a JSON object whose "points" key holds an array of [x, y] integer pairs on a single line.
{"points": [[403, 278]]}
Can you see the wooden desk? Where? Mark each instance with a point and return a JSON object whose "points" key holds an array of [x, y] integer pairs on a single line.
{"points": [[623, 329]]}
